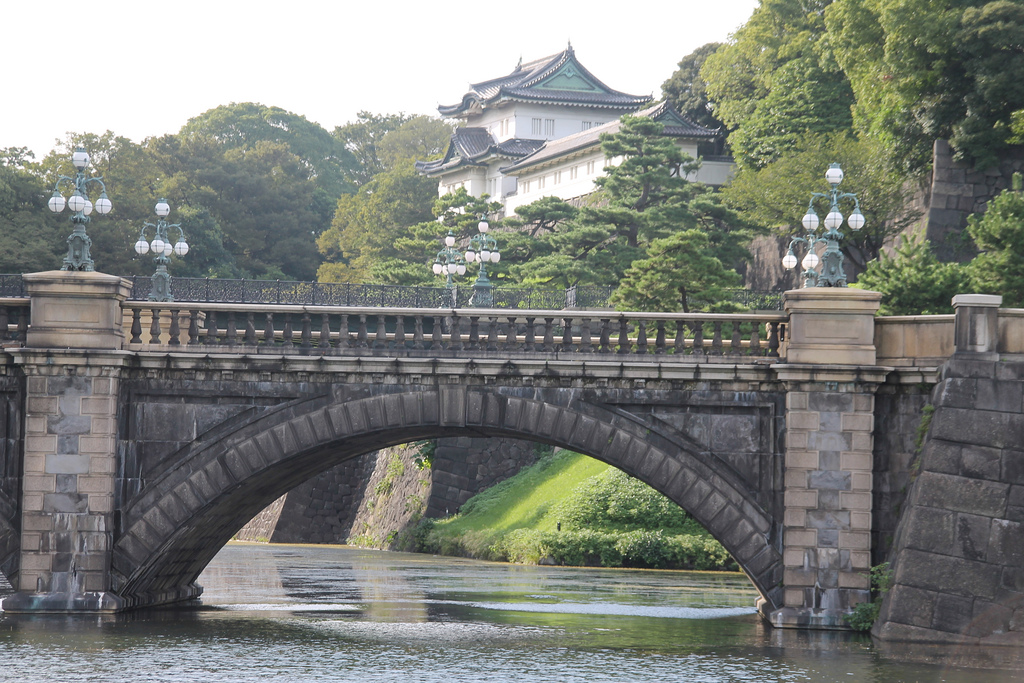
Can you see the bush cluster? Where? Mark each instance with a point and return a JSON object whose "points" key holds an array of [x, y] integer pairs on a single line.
{"points": [[637, 548]]}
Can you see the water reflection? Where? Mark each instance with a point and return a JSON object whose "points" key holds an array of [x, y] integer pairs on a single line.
{"points": [[294, 613]]}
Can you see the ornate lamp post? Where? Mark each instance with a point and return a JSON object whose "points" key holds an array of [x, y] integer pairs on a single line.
{"points": [[831, 272], [78, 257], [161, 246], [449, 262], [483, 249]]}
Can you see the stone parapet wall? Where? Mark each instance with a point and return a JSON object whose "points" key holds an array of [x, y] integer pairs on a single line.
{"points": [[958, 555]]}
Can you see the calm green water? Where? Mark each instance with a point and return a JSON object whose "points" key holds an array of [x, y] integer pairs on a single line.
{"points": [[303, 613]]}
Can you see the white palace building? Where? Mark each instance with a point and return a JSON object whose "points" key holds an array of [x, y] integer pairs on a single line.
{"points": [[536, 133]]}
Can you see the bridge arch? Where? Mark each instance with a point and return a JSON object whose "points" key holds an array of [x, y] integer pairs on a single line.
{"points": [[174, 527]]}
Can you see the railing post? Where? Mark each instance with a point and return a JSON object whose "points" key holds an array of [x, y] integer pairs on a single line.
{"points": [[976, 326]]}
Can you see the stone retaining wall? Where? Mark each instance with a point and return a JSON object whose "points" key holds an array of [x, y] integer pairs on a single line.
{"points": [[958, 555], [361, 501]]}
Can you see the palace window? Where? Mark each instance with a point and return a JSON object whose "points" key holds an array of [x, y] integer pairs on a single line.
{"points": [[536, 128], [590, 167], [540, 182], [586, 125], [549, 127], [574, 172], [558, 177]]}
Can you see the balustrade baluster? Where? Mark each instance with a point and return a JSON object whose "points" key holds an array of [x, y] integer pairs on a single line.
{"points": [[492, 334], [306, 340], [606, 336], [210, 339], [736, 343], [344, 338], [624, 345], [680, 344], [23, 314], [154, 327], [529, 338], [268, 330], [250, 329], [232, 330], [511, 337], [136, 326], [193, 327], [773, 340], [474, 333], [567, 345], [380, 339], [287, 333], [455, 344], [399, 331], [716, 341], [641, 338], [436, 331], [586, 343], [417, 336], [175, 331], [549, 335], [324, 342], [659, 339], [362, 335], [697, 327]]}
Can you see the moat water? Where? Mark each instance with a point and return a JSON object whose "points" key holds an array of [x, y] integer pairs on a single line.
{"points": [[325, 613]]}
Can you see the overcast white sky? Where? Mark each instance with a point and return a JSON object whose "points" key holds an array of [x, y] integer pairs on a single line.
{"points": [[142, 68]]}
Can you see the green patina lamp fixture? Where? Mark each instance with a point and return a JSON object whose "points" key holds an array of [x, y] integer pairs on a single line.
{"points": [[162, 250], [483, 249], [826, 271], [449, 262], [78, 257]]}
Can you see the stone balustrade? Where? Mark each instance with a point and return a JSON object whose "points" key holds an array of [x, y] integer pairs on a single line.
{"points": [[325, 330]]}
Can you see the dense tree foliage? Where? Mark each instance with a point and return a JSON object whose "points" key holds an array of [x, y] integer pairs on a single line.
{"points": [[999, 236], [777, 81], [926, 69], [686, 89], [776, 195], [913, 282]]}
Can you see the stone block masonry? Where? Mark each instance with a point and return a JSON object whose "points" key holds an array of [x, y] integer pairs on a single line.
{"points": [[958, 554], [827, 496], [68, 484]]}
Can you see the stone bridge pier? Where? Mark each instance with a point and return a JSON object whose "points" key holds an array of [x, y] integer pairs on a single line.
{"points": [[135, 463]]}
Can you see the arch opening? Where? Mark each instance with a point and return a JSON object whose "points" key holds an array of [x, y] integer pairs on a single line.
{"points": [[175, 527]]}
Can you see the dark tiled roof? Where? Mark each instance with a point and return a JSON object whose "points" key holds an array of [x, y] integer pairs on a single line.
{"points": [[473, 146], [559, 79], [676, 125]]}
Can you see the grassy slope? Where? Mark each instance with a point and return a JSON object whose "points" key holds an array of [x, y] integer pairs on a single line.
{"points": [[520, 502], [492, 524]]}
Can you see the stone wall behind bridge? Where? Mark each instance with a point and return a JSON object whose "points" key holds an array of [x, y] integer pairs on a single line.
{"points": [[371, 499]]}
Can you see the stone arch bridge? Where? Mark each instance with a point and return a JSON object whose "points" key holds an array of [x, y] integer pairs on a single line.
{"points": [[139, 437]]}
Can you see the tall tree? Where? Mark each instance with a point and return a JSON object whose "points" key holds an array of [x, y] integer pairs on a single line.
{"points": [[678, 271], [776, 196], [777, 80], [926, 69], [362, 137], [686, 89], [999, 234]]}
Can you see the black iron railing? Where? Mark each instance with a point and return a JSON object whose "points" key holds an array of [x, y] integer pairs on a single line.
{"points": [[284, 292]]}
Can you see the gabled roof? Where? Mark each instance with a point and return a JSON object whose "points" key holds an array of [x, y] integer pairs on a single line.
{"points": [[676, 125], [558, 79], [473, 146]]}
